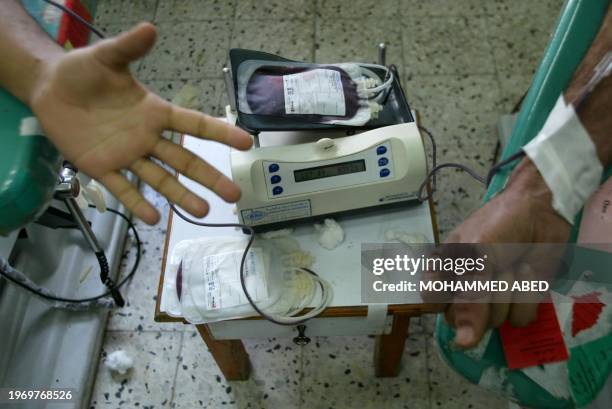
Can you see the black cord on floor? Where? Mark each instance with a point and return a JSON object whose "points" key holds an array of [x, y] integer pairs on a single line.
{"points": [[97, 297]]}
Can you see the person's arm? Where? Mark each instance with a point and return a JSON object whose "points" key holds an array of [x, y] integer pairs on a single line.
{"points": [[25, 48], [594, 112], [523, 212], [103, 120]]}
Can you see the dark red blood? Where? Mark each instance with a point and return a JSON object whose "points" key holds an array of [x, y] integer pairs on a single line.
{"points": [[585, 311], [266, 93], [179, 280]]}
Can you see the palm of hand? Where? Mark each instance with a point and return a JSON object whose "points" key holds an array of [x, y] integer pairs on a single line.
{"points": [[104, 121]]}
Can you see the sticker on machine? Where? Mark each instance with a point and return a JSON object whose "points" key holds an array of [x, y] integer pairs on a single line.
{"points": [[276, 213], [222, 278], [317, 92]]}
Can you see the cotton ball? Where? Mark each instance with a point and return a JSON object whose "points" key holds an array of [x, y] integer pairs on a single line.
{"points": [[330, 234], [119, 361]]}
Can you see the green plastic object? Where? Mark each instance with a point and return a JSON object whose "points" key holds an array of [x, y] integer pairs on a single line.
{"points": [[29, 167], [576, 28]]}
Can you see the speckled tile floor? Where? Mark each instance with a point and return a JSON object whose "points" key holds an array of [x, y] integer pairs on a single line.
{"points": [[463, 62]]}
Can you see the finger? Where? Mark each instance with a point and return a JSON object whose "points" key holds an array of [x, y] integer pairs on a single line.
{"points": [[434, 273], [524, 304], [127, 194], [190, 165], [500, 301], [127, 47], [168, 186], [471, 322], [521, 315], [499, 314], [197, 124]]}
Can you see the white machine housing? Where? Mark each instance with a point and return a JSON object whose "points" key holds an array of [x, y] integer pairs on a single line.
{"points": [[289, 182]]}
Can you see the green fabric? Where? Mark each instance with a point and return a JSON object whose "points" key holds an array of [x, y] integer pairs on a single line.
{"points": [[28, 168], [588, 367]]}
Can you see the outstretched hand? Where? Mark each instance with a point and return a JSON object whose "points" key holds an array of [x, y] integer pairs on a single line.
{"points": [[104, 121]]}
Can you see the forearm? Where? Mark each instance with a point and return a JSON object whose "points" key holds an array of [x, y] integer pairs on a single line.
{"points": [[594, 112], [25, 48]]}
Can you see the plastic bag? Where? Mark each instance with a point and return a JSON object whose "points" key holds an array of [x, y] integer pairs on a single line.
{"points": [[207, 283], [344, 93]]}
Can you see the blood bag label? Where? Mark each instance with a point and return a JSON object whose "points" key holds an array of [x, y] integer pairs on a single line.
{"points": [[276, 213], [222, 279], [316, 92]]}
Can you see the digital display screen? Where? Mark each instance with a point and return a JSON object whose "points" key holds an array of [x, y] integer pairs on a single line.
{"points": [[327, 171]]}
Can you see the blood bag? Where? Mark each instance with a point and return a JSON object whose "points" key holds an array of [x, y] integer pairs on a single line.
{"points": [[206, 286], [345, 93]]}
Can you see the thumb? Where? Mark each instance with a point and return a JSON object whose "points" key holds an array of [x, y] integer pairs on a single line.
{"points": [[470, 322], [119, 51]]}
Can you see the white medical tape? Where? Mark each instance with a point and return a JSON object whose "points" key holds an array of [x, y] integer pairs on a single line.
{"points": [[30, 126], [377, 318], [567, 159]]}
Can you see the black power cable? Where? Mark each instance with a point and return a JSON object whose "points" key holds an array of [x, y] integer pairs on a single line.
{"points": [[97, 297], [434, 154], [484, 180]]}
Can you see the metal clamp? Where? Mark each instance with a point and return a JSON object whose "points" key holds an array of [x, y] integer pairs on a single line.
{"points": [[301, 339]]}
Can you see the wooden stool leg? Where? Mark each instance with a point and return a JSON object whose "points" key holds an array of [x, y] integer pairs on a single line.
{"points": [[230, 355], [389, 348]]}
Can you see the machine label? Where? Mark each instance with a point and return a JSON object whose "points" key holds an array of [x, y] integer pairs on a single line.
{"points": [[276, 213], [314, 92]]}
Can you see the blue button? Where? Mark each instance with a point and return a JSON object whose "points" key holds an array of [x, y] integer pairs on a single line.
{"points": [[383, 161], [384, 172], [275, 179], [273, 168], [381, 150], [277, 190]]}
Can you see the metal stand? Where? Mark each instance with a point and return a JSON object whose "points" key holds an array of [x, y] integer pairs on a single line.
{"points": [[382, 54], [229, 87], [67, 190]]}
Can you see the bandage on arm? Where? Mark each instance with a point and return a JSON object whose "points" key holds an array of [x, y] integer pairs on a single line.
{"points": [[575, 145], [594, 111], [566, 157]]}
